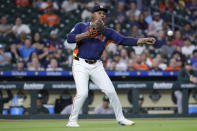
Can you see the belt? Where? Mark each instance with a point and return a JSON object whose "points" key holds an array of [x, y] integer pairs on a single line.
{"points": [[87, 61]]}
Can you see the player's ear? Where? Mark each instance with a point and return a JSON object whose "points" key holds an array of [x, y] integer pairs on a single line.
{"points": [[94, 16]]}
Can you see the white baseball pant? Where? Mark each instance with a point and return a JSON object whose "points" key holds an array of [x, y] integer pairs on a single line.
{"points": [[179, 97], [82, 72]]}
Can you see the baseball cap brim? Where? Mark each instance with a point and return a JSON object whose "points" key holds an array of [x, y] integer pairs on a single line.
{"points": [[99, 8], [103, 9]]}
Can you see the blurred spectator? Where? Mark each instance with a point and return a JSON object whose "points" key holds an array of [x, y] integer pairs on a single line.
{"points": [[18, 99], [188, 48], [142, 24], [161, 60], [20, 65], [20, 27], [27, 49], [64, 100], [86, 13], [53, 66], [194, 20], [194, 60], [120, 12], [20, 40], [61, 57], [22, 3], [165, 27], [53, 42], [37, 41], [187, 31], [49, 17], [130, 65], [133, 10], [69, 5], [156, 24], [123, 56], [118, 28], [122, 60], [172, 65], [14, 53], [147, 16], [139, 49], [162, 11], [136, 32], [5, 57], [42, 56], [186, 74], [177, 55], [131, 53], [192, 5], [32, 55], [40, 108], [43, 4], [138, 64], [47, 56], [168, 48], [34, 65], [111, 48], [167, 5], [104, 108], [155, 65], [161, 37], [178, 40], [179, 62], [4, 99], [45, 96], [139, 4], [105, 59], [151, 30], [180, 8], [4, 27], [114, 61], [112, 65], [149, 58], [37, 3], [141, 110]]}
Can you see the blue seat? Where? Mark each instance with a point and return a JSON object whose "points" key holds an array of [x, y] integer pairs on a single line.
{"points": [[192, 109], [15, 110], [5, 111], [50, 108]]}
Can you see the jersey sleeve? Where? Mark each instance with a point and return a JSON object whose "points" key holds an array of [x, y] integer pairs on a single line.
{"points": [[120, 39], [158, 44], [76, 30]]}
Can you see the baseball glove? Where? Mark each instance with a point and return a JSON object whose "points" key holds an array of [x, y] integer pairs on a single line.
{"points": [[97, 28]]}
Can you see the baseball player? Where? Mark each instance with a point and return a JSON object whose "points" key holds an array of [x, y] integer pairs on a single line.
{"points": [[92, 38]]}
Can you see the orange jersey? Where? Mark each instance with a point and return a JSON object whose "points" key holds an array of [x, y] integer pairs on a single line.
{"points": [[169, 68], [22, 2], [50, 19], [140, 66]]}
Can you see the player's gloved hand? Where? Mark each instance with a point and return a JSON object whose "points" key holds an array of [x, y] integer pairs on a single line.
{"points": [[149, 41], [96, 29]]}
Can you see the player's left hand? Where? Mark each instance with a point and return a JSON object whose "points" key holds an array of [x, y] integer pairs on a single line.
{"points": [[149, 41]]}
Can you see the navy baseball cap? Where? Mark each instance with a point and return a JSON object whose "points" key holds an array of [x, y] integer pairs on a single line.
{"points": [[98, 8], [188, 62], [105, 98]]}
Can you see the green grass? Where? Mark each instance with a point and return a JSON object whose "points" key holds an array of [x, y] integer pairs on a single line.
{"points": [[184, 124]]}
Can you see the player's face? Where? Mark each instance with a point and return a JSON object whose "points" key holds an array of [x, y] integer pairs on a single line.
{"points": [[99, 15]]}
